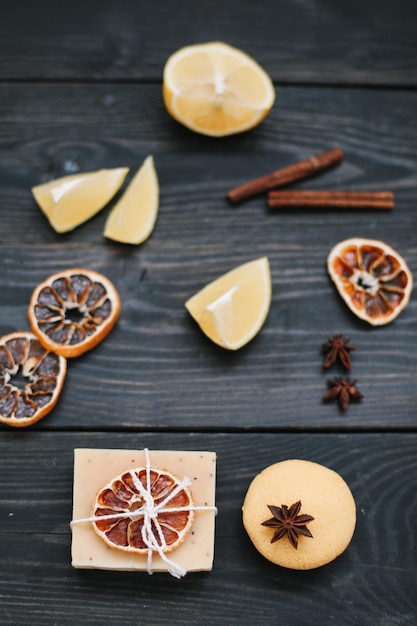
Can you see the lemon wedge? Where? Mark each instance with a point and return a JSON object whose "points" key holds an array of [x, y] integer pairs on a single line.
{"points": [[72, 200], [232, 309], [216, 90], [133, 218]]}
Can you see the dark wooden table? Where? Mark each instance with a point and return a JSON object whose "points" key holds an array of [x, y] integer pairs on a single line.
{"points": [[81, 90]]}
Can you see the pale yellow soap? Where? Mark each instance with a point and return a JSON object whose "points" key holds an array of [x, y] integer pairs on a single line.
{"points": [[324, 495], [94, 468]]}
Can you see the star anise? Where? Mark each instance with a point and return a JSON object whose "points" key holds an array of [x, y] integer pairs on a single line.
{"points": [[344, 390], [286, 521], [337, 348]]}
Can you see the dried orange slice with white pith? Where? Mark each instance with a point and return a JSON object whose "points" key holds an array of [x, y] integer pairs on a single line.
{"points": [[136, 510], [215, 89], [73, 310], [31, 379], [372, 278]]}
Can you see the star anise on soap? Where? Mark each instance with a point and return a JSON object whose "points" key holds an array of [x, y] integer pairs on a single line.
{"points": [[337, 348], [287, 521], [343, 390]]}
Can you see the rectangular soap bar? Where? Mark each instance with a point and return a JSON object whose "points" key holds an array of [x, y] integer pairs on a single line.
{"points": [[94, 468]]}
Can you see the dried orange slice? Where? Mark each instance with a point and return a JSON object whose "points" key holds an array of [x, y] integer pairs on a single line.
{"points": [[372, 278], [216, 90], [73, 310], [232, 309], [136, 509], [31, 379]]}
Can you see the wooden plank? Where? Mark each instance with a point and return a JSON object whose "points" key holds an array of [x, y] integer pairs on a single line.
{"points": [[346, 43], [156, 369], [48, 131], [373, 582]]}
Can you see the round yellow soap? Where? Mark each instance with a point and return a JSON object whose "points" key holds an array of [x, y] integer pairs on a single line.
{"points": [[324, 495]]}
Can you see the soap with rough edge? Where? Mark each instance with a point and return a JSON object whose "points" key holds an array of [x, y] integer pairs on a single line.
{"points": [[94, 468], [321, 493]]}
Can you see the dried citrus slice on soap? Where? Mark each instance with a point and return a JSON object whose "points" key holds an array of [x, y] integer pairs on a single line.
{"points": [[133, 218], [73, 310], [72, 200], [372, 278], [216, 90], [144, 502], [31, 379], [232, 309]]}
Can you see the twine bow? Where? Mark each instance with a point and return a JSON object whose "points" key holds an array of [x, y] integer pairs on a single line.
{"points": [[154, 540]]}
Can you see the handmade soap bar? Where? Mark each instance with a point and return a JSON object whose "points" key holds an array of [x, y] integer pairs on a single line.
{"points": [[299, 514], [95, 468]]}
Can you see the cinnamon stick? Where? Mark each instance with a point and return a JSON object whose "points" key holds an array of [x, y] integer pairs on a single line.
{"points": [[331, 199], [287, 175]]}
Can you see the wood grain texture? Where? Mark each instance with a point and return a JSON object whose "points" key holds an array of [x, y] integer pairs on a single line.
{"points": [[80, 89], [156, 369], [372, 583], [312, 42], [48, 131]]}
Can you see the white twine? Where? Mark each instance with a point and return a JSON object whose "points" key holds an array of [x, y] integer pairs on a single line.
{"points": [[149, 511]]}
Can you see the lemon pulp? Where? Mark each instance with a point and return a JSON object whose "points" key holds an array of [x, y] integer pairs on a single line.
{"points": [[216, 90], [72, 200], [133, 218], [232, 309]]}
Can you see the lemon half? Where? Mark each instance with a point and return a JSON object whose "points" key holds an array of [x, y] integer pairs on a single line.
{"points": [[216, 90]]}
